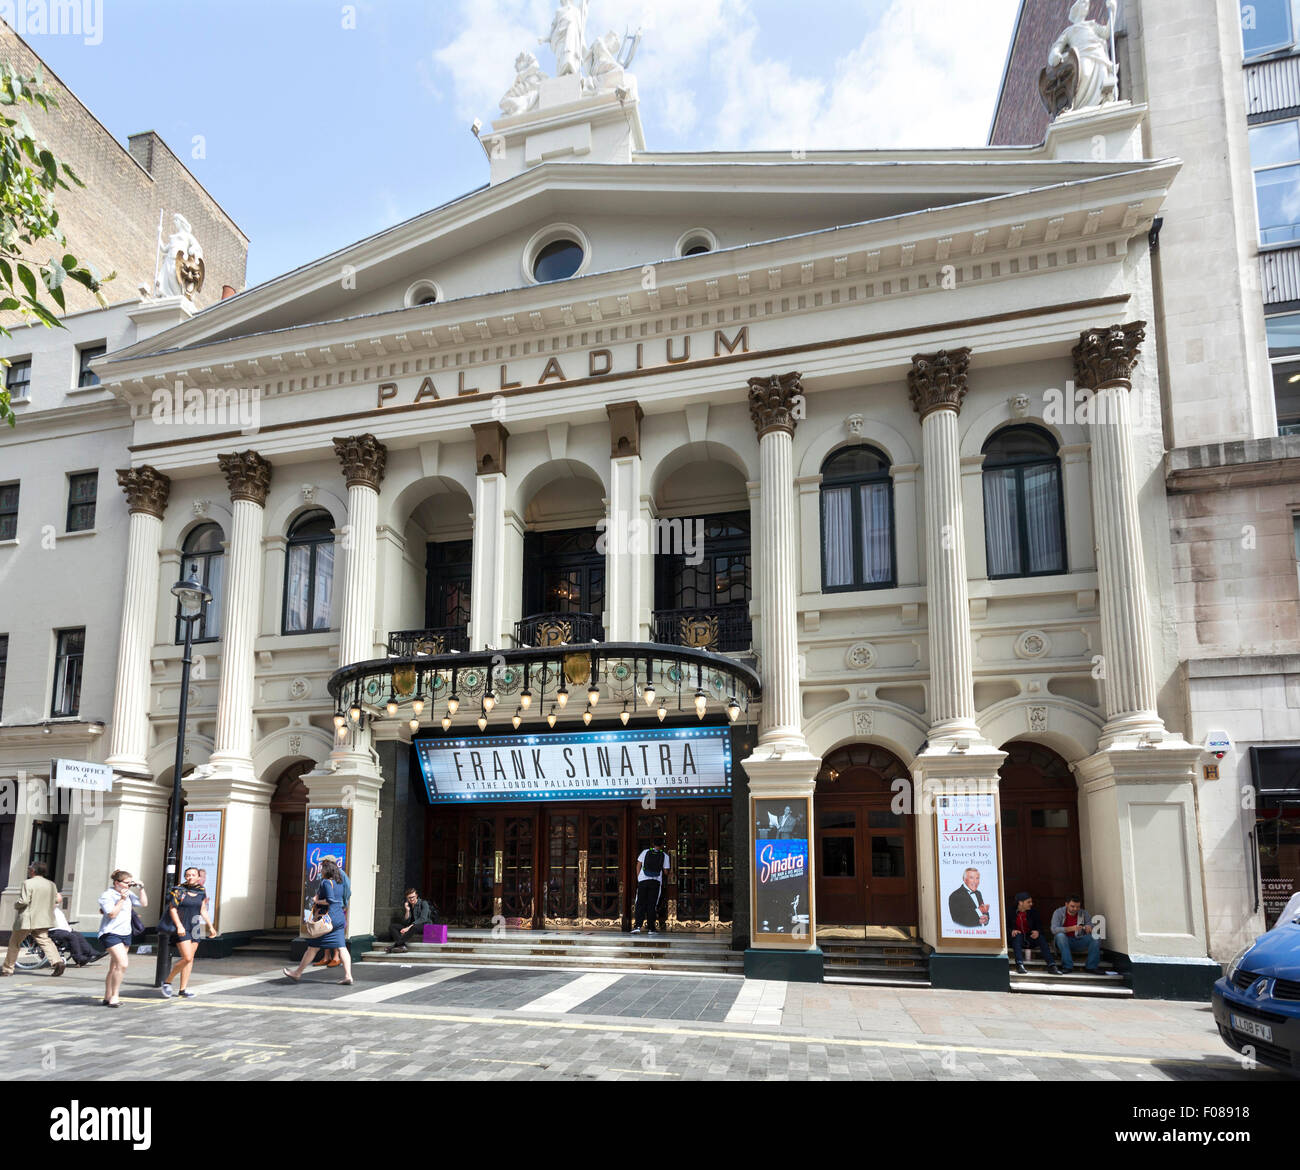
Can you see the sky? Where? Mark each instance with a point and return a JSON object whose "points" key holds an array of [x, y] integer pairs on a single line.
{"points": [[316, 123]]}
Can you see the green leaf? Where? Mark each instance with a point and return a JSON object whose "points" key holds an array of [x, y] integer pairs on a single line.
{"points": [[56, 295], [53, 274], [6, 270], [69, 262], [8, 305], [28, 277]]}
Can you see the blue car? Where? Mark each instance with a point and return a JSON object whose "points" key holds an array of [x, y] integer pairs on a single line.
{"points": [[1257, 1004]]}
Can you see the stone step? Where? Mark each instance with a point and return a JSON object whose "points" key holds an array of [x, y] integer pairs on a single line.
{"points": [[592, 961], [1082, 986], [879, 980], [878, 971]]}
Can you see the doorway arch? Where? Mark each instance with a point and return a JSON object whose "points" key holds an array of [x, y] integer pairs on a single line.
{"points": [[289, 802], [1040, 826], [866, 851]]}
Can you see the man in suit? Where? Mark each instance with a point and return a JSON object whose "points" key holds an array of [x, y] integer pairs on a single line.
{"points": [[416, 914], [37, 898], [966, 904]]}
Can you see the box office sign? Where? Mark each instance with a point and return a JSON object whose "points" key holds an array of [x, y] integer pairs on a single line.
{"points": [[329, 832], [201, 848], [82, 774], [966, 853], [782, 870], [586, 765]]}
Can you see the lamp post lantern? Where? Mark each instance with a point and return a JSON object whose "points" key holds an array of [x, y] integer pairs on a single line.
{"points": [[193, 597]]}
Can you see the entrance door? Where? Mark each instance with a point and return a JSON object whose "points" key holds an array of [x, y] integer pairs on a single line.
{"points": [[1040, 827], [583, 853], [698, 838], [866, 865], [290, 802]]}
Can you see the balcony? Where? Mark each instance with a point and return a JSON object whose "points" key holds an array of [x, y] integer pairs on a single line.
{"points": [[442, 640], [725, 629], [558, 629]]}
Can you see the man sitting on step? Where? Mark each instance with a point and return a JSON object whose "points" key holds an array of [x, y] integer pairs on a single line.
{"points": [[416, 914], [1072, 928], [1027, 930]]}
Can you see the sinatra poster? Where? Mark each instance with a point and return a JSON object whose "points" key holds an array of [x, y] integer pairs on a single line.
{"points": [[201, 848], [781, 868], [586, 765], [970, 903], [327, 836]]}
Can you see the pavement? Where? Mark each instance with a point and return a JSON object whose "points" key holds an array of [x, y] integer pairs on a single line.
{"points": [[419, 1023]]}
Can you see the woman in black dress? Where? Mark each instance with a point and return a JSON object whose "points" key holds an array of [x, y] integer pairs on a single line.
{"points": [[185, 918]]}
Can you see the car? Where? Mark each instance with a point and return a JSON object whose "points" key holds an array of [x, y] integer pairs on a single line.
{"points": [[1257, 1003]]}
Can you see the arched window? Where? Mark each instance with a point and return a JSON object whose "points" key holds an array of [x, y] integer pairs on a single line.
{"points": [[857, 520], [1024, 512], [309, 574], [203, 560]]}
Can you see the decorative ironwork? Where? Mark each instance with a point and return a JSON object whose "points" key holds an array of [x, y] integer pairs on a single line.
{"points": [[700, 630], [406, 643], [559, 629], [404, 682]]}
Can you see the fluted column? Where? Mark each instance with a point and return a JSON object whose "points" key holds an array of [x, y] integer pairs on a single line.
{"points": [[249, 478], [147, 491], [1103, 363], [937, 385], [625, 541], [364, 461], [488, 573]]}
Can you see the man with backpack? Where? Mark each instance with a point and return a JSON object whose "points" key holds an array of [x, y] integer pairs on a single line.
{"points": [[650, 869]]}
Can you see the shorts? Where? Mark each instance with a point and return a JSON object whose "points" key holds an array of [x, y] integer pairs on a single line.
{"points": [[108, 941]]}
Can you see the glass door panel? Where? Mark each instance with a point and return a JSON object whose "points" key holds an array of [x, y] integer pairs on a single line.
{"points": [[562, 867], [691, 867], [479, 897], [604, 873], [517, 872]]}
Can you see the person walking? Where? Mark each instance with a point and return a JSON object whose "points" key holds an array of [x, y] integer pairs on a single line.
{"points": [[330, 958], [329, 899], [116, 906], [37, 899], [651, 866], [185, 918]]}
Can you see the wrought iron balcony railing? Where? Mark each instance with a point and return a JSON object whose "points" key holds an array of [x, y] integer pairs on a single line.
{"points": [[558, 629], [442, 640], [726, 628]]}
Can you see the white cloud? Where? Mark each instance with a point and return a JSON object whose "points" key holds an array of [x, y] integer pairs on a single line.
{"points": [[922, 73]]}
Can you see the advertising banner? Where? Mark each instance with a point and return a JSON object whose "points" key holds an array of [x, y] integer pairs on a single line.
{"points": [[1278, 891], [586, 765], [970, 902], [328, 834], [782, 871], [201, 848]]}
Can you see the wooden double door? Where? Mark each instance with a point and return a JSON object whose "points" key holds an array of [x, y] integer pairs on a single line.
{"points": [[1040, 828], [574, 866]]}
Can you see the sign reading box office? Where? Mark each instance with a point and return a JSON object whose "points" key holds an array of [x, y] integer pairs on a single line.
{"points": [[578, 765]]}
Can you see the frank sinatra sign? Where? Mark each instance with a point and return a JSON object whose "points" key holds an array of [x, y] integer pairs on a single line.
{"points": [[591, 765]]}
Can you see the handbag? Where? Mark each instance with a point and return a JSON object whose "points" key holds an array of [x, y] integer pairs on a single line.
{"points": [[137, 927], [317, 927]]}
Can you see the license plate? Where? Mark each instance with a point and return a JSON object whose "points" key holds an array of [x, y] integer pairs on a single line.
{"points": [[1251, 1028]]}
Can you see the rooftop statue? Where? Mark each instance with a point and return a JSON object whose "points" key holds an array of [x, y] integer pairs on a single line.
{"points": [[1080, 68], [568, 36], [522, 95], [180, 262]]}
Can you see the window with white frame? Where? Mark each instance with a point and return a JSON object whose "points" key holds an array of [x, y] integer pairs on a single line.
{"points": [[1267, 26], [1284, 356], [1275, 160], [8, 511], [18, 379]]}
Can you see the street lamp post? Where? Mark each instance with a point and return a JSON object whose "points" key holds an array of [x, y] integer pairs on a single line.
{"points": [[193, 597]]}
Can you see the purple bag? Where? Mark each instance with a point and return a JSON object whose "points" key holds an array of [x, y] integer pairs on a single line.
{"points": [[434, 934]]}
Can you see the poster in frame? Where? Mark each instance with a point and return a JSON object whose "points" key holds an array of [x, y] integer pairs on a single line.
{"points": [[202, 846], [328, 834], [968, 871], [781, 906]]}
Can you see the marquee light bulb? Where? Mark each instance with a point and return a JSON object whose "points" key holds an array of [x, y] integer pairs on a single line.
{"points": [[562, 697], [526, 699], [550, 718], [624, 715], [586, 718], [482, 722], [340, 719], [514, 719], [354, 713], [446, 723], [489, 701], [701, 703], [593, 694], [453, 705], [418, 706], [663, 711]]}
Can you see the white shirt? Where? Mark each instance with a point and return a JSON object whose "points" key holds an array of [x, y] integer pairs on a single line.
{"points": [[60, 919], [110, 923], [646, 877]]}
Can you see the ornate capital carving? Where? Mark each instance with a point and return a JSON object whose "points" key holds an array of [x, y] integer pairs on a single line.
{"points": [[775, 402], [364, 459], [248, 474], [490, 448], [147, 490], [937, 381], [624, 428], [1105, 357]]}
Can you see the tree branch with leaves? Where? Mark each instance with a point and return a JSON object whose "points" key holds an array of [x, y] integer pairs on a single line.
{"points": [[30, 175]]}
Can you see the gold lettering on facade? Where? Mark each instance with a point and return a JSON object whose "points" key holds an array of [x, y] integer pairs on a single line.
{"points": [[686, 353], [604, 355], [505, 385], [461, 388], [741, 340], [427, 390], [640, 355], [386, 390], [552, 371]]}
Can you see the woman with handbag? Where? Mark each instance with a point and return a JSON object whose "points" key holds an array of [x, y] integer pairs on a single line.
{"points": [[184, 919], [117, 918], [326, 928]]}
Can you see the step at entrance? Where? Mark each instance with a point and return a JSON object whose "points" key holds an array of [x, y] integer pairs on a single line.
{"points": [[1112, 985], [604, 951], [902, 962]]}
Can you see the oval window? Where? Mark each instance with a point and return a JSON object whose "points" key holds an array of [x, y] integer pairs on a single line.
{"points": [[559, 260]]}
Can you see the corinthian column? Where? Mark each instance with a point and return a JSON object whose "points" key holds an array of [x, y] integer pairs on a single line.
{"points": [[937, 385], [249, 478], [364, 461], [147, 491], [1103, 364]]}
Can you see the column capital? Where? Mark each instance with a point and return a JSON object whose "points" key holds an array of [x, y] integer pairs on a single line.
{"points": [[147, 490], [248, 474], [624, 429], [490, 448], [1106, 356], [937, 381], [364, 459], [772, 402]]}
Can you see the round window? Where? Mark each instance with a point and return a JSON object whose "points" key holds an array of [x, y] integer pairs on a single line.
{"points": [[559, 260]]}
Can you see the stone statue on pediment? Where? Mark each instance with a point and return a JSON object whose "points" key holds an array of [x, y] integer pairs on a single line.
{"points": [[604, 69], [180, 262], [1081, 69], [568, 36], [522, 95]]}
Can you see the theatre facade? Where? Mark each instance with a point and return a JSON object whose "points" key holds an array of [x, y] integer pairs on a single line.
{"points": [[805, 509]]}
